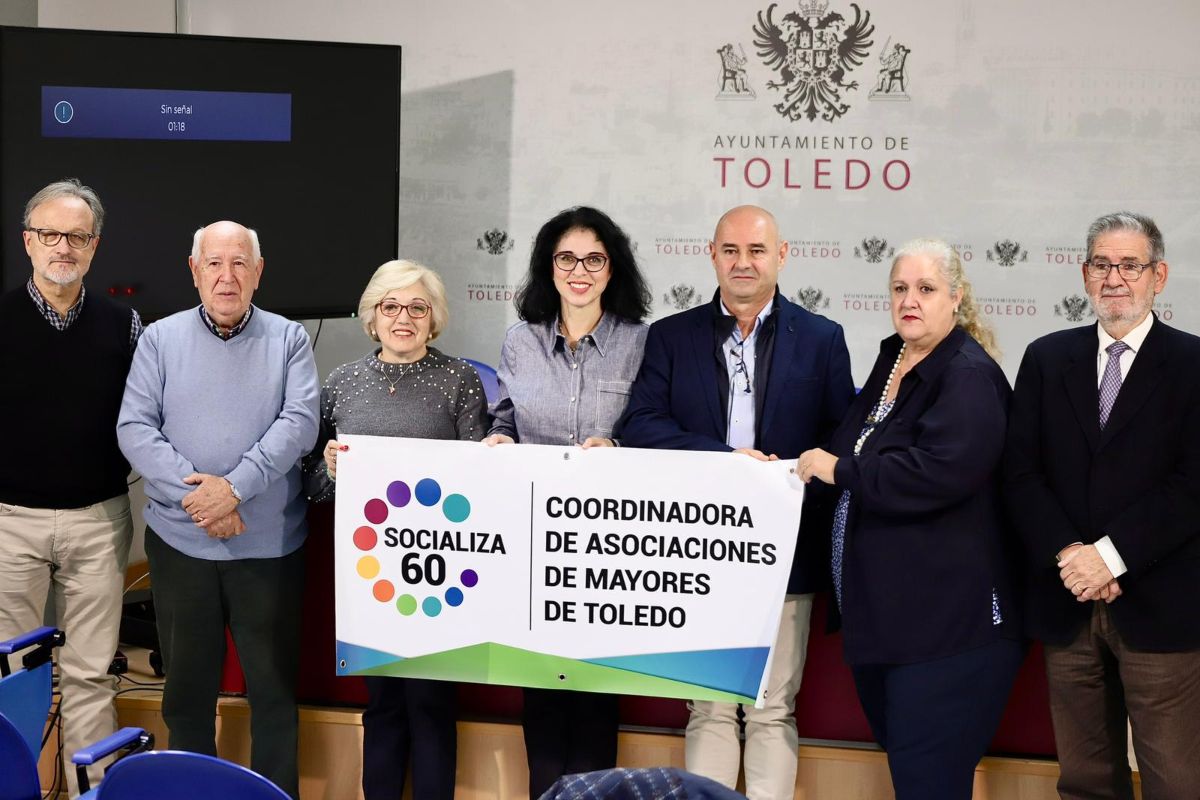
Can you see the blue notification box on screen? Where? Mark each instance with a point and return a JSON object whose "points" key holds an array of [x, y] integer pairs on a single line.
{"points": [[83, 112]]}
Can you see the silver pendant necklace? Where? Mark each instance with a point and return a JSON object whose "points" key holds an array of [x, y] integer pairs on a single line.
{"points": [[404, 369]]}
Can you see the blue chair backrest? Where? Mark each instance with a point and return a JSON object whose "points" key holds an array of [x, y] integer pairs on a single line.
{"points": [[24, 705], [18, 767], [25, 702], [647, 783], [183, 776], [491, 384]]}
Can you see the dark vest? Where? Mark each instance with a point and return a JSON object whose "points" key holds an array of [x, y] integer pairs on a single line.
{"points": [[62, 392]]}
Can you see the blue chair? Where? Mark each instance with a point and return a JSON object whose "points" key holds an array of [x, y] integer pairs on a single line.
{"points": [[182, 776], [24, 706], [134, 741], [648, 783], [491, 384], [25, 695]]}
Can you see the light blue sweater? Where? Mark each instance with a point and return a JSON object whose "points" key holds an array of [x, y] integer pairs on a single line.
{"points": [[246, 409]]}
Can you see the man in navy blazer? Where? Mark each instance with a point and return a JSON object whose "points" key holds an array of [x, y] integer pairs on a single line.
{"points": [[754, 374], [1103, 483]]}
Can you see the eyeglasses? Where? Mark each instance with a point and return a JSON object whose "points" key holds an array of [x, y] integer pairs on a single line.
{"points": [[592, 262], [417, 309], [739, 365], [1129, 270], [50, 237]]}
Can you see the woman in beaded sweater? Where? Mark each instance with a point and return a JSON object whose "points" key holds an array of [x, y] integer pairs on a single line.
{"points": [[920, 570], [565, 375], [404, 388]]}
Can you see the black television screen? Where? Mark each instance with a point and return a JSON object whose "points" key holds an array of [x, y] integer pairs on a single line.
{"points": [[299, 140]]}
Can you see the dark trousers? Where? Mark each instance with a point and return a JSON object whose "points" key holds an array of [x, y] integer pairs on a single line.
{"points": [[259, 600], [408, 716], [936, 718], [1095, 682], [568, 732]]}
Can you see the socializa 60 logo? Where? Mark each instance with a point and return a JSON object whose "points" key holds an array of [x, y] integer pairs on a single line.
{"points": [[422, 571]]}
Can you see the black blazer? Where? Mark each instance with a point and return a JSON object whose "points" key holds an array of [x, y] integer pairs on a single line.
{"points": [[1137, 482], [924, 539], [676, 402]]}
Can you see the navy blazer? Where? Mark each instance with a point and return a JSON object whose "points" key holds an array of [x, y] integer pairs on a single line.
{"points": [[676, 402], [1137, 482], [924, 544]]}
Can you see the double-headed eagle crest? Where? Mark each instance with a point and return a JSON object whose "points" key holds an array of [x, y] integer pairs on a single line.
{"points": [[874, 249], [812, 299], [494, 241], [1007, 253], [813, 52], [1073, 307], [681, 296]]}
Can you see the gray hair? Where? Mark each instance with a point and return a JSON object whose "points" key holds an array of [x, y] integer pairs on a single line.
{"points": [[198, 236], [395, 275], [950, 265], [68, 187], [1128, 221]]}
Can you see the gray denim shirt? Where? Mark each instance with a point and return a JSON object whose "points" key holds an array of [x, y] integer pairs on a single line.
{"points": [[551, 395]]}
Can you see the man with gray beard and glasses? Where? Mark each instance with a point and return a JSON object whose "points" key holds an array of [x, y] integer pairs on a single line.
{"points": [[64, 503], [1102, 473]]}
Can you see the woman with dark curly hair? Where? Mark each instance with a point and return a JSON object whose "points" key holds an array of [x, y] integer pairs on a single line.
{"points": [[565, 374]]}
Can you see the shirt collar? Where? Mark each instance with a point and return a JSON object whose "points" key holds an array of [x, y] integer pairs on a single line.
{"points": [[767, 310], [599, 335], [1135, 338], [48, 311], [216, 329]]}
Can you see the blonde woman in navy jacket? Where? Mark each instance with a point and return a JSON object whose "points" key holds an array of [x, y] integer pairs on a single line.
{"points": [[918, 554]]}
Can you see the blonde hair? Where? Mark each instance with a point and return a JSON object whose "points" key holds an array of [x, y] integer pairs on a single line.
{"points": [[966, 316], [401, 275]]}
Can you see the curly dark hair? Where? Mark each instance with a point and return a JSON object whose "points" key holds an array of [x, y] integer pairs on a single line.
{"points": [[626, 295]]}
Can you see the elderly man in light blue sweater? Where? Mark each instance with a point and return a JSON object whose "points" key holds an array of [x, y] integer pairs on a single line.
{"points": [[220, 405]]}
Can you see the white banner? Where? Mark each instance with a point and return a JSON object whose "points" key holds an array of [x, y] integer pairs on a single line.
{"points": [[620, 570]]}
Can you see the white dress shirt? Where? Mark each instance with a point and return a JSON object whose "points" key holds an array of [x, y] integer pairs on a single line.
{"points": [[1134, 339], [738, 350]]}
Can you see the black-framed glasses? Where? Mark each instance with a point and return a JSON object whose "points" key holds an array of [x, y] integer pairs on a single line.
{"points": [[50, 237], [417, 309], [592, 262], [1129, 270], [739, 366]]}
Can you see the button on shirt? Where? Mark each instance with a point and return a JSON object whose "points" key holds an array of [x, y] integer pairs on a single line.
{"points": [[550, 394], [1134, 340], [739, 362]]}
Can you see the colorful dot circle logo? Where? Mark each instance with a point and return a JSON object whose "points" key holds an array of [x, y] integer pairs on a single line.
{"points": [[418, 570]]}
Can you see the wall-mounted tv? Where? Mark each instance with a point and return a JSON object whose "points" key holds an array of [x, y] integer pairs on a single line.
{"points": [[299, 140]]}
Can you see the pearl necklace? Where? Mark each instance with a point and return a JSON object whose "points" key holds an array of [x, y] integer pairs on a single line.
{"points": [[887, 386], [882, 407]]}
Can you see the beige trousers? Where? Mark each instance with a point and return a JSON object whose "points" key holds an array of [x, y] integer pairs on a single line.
{"points": [[711, 744], [80, 554]]}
